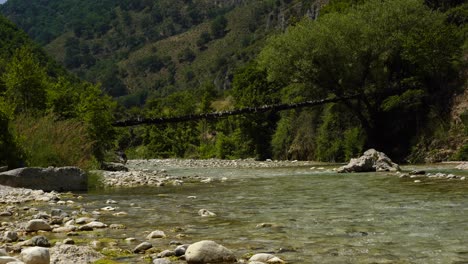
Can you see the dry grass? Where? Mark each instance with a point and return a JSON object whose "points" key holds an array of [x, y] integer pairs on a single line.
{"points": [[48, 142]]}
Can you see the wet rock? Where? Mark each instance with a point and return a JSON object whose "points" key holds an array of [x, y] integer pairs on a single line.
{"points": [[35, 255], [156, 234], [40, 241], [181, 249], [10, 236], [208, 251], [3, 252], [265, 258], [205, 213], [85, 228], [372, 160], [166, 253], [117, 226], [36, 225], [141, 248], [73, 254], [417, 172]]}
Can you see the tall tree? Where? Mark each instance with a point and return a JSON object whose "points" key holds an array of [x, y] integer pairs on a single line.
{"points": [[397, 54]]}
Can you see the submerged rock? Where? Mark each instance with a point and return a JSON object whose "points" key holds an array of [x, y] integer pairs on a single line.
{"points": [[372, 160], [208, 251], [205, 213]]}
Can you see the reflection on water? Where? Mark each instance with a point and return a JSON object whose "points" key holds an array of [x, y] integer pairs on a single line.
{"points": [[316, 217]]}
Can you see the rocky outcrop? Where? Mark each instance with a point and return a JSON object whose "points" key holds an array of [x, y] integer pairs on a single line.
{"points": [[47, 179], [208, 251], [372, 160]]}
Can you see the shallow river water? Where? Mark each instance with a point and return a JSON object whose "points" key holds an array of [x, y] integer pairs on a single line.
{"points": [[317, 216]]}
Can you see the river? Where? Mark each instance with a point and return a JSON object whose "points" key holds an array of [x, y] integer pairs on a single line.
{"points": [[302, 215]]}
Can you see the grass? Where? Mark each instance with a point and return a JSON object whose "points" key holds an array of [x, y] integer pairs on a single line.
{"points": [[50, 142]]}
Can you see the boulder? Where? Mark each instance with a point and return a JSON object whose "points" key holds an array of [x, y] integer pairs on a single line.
{"points": [[371, 160], [35, 255], [208, 251], [36, 225], [47, 179]]}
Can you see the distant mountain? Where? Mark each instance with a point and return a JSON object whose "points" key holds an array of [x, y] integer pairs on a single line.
{"points": [[154, 47]]}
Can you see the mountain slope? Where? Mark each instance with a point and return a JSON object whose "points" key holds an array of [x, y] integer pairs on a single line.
{"points": [[154, 46]]}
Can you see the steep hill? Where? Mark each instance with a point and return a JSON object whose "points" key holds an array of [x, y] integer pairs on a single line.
{"points": [[154, 47]]}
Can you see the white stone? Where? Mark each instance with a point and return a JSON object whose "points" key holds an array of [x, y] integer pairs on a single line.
{"points": [[208, 251], [156, 234], [37, 224], [35, 255]]}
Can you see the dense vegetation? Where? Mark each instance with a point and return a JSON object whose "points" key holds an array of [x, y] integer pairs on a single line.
{"points": [[47, 116], [164, 58]]}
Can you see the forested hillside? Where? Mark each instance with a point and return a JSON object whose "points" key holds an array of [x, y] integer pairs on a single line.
{"points": [[406, 60], [47, 116]]}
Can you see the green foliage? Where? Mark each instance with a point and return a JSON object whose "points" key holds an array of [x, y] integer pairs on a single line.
{"points": [[462, 153], [218, 27], [96, 109], [26, 82], [379, 49], [10, 153]]}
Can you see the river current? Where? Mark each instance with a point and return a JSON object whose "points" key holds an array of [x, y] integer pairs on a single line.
{"points": [[302, 215]]}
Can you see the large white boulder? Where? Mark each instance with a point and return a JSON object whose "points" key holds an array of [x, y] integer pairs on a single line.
{"points": [[371, 160], [35, 255], [208, 251]]}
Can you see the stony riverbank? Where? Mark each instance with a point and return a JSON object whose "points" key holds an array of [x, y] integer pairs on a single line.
{"points": [[71, 229]]}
